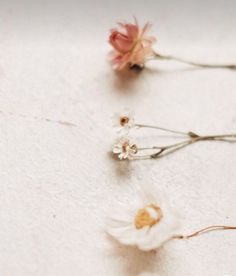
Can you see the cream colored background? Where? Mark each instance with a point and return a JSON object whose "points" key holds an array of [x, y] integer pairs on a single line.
{"points": [[57, 181]]}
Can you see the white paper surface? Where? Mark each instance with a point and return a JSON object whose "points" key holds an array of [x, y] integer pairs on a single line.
{"points": [[57, 180]]}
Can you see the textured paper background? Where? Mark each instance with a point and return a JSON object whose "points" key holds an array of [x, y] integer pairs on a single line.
{"points": [[57, 180]]}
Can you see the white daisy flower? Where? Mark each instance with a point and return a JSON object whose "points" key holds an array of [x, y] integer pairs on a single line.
{"points": [[148, 223], [125, 149], [124, 120]]}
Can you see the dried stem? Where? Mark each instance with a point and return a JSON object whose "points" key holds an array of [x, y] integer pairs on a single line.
{"points": [[205, 230], [193, 138], [162, 128], [202, 65]]}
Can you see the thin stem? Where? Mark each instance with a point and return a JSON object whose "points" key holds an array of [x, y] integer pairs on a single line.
{"points": [[162, 128], [166, 147], [190, 141], [163, 150], [218, 136], [205, 230], [189, 134], [202, 65]]}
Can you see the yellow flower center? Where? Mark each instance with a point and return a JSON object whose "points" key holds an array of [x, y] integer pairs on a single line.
{"points": [[134, 148], [136, 43], [126, 147], [148, 216], [124, 120]]}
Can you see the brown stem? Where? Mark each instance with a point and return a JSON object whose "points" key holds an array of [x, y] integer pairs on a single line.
{"points": [[162, 128], [190, 134], [164, 150], [209, 137], [202, 65], [205, 230]]}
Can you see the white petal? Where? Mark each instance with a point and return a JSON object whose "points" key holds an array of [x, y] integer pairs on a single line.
{"points": [[123, 155], [149, 194], [160, 233], [123, 228], [117, 149], [125, 235], [123, 130], [123, 216]]}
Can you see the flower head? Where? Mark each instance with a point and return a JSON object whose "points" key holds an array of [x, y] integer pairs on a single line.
{"points": [[125, 149], [124, 120], [147, 224], [131, 45]]}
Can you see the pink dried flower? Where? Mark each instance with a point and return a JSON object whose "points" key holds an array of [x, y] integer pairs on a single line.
{"points": [[131, 45]]}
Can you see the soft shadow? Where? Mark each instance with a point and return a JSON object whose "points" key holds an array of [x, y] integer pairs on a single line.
{"points": [[135, 261], [151, 70], [122, 168], [125, 80]]}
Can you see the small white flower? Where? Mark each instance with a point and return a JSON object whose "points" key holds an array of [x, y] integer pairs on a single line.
{"points": [[148, 223], [125, 149], [124, 120]]}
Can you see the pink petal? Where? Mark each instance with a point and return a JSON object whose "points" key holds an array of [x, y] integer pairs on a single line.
{"points": [[132, 31], [145, 29], [121, 42]]}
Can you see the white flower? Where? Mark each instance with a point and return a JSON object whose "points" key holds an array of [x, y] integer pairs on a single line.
{"points": [[147, 222], [125, 149], [124, 120]]}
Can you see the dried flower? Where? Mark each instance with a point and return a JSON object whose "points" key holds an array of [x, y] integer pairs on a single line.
{"points": [[148, 223], [124, 120], [125, 149], [131, 45]]}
